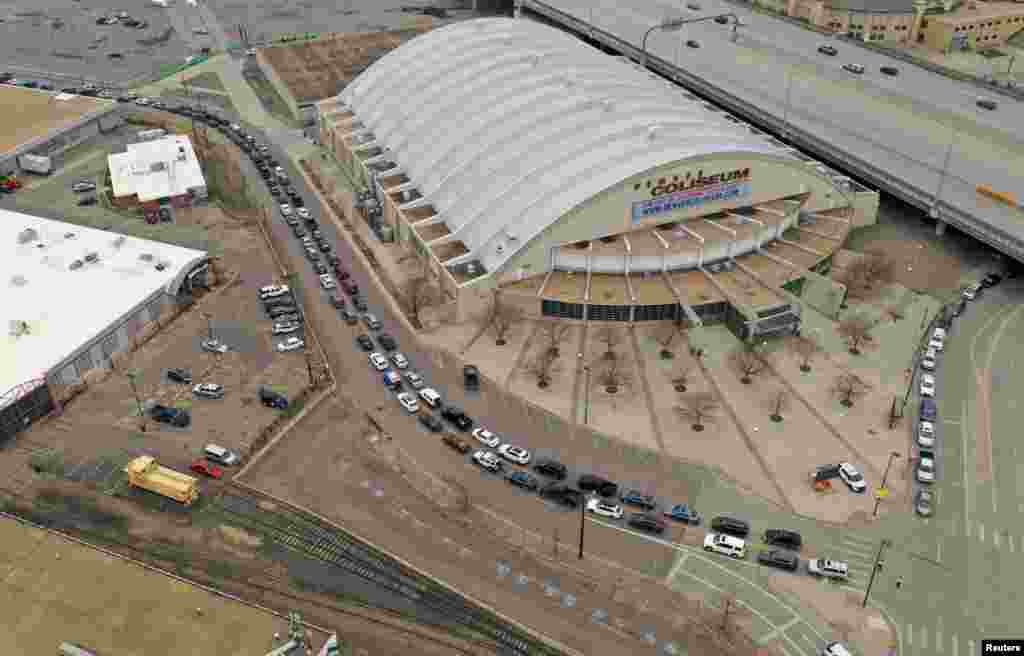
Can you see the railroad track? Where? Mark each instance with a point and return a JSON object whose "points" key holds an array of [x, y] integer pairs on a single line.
{"points": [[311, 538]]}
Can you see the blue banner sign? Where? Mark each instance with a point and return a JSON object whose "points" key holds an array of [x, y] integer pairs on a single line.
{"points": [[689, 199]]}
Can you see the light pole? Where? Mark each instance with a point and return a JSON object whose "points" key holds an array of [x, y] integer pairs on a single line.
{"points": [[676, 23], [209, 325], [583, 521], [132, 374], [885, 477], [586, 394], [874, 570]]}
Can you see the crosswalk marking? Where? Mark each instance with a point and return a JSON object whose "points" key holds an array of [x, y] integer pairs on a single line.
{"points": [[910, 634], [858, 539]]}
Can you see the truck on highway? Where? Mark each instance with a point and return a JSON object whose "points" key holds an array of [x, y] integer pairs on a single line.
{"points": [[144, 472], [36, 164], [150, 135]]}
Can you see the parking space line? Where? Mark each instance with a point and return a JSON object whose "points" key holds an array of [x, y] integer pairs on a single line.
{"points": [[971, 648], [981, 531], [995, 538], [924, 639], [910, 634], [955, 642], [858, 539], [1009, 539], [777, 631], [683, 555], [938, 641]]}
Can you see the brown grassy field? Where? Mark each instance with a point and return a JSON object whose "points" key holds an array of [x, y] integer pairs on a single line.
{"points": [[38, 113]]}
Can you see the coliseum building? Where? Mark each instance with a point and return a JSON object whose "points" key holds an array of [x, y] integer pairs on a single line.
{"points": [[513, 157]]}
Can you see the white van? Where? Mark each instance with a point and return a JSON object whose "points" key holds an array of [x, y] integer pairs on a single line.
{"points": [[430, 396], [220, 454]]}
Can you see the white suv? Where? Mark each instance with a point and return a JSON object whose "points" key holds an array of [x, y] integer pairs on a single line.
{"points": [[430, 395], [378, 361], [604, 509], [832, 569], [725, 545], [927, 385], [409, 402], [926, 434], [273, 291], [486, 437], [937, 344], [852, 477], [487, 460], [515, 454]]}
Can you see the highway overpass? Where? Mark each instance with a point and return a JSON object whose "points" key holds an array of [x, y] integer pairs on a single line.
{"points": [[918, 136]]}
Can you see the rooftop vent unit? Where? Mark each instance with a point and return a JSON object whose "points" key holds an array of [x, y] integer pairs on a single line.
{"points": [[27, 235], [156, 166], [77, 264], [69, 235], [18, 280], [471, 269], [92, 257], [119, 242], [146, 257]]}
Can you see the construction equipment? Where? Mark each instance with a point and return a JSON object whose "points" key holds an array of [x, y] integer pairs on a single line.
{"points": [[144, 472]]}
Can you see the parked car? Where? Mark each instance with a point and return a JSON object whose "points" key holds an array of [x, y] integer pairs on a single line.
{"points": [[551, 469], [925, 503], [515, 454], [387, 342], [972, 292], [272, 399], [486, 437], [312, 254], [274, 291], [639, 499], [562, 494], [647, 522], [431, 422], [853, 478], [726, 545], [487, 460], [303, 213], [278, 311], [780, 537], [399, 360], [290, 344], [856, 69], [291, 316], [371, 321], [408, 401], [221, 455], [214, 346], [991, 280], [414, 379], [731, 525], [205, 468], [457, 443], [358, 301], [828, 50], [830, 569], [378, 361], [430, 397], [165, 214], [986, 103], [779, 558], [83, 186], [179, 375], [590, 482], [326, 281], [457, 416], [691, 43], [173, 416], [928, 363], [927, 385], [86, 201], [926, 467], [929, 411], [523, 480], [350, 288], [285, 327], [209, 390], [835, 649], [286, 209], [682, 512], [891, 71], [604, 508], [349, 317], [926, 434], [721, 20], [938, 344]]}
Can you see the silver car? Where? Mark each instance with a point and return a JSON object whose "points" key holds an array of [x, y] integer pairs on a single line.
{"points": [[925, 504]]}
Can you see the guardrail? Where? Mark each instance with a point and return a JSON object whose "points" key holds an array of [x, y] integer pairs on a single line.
{"points": [[924, 200]]}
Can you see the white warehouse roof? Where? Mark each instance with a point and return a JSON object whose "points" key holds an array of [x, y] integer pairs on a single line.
{"points": [[156, 169], [63, 309], [504, 125]]}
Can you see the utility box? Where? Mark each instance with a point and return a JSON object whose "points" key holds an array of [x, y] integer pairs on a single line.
{"points": [[145, 473]]}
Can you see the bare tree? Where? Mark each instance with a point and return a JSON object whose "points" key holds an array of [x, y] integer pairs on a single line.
{"points": [[697, 408], [665, 335], [500, 318], [780, 403], [544, 367], [872, 268], [855, 330], [614, 375], [554, 333], [805, 347], [848, 387], [747, 362], [681, 378], [419, 293], [611, 337]]}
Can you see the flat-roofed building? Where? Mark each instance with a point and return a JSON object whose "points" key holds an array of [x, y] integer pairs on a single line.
{"points": [[160, 172]]}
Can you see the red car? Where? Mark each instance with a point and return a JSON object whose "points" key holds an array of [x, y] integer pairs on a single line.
{"points": [[350, 287], [152, 217], [206, 468], [340, 270]]}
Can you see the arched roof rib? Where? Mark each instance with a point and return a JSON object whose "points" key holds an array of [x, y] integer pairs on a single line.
{"points": [[505, 123]]}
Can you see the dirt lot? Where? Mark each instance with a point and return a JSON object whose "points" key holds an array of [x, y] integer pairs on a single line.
{"points": [[55, 590], [319, 69], [39, 114]]}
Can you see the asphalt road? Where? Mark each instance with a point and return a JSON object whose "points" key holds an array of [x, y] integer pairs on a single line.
{"points": [[903, 125]]}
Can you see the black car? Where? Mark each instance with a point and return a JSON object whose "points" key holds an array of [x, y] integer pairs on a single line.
{"points": [[780, 537], [645, 522], [551, 468], [826, 472], [312, 254], [523, 480], [317, 235], [359, 302], [333, 259], [293, 222], [891, 71], [431, 423], [274, 191], [730, 525], [991, 280], [386, 341], [828, 50], [457, 416], [562, 494], [265, 174], [639, 499], [272, 399], [165, 215], [690, 43], [365, 342], [602, 486], [179, 375], [88, 200], [349, 317], [325, 247], [311, 223], [470, 377], [721, 20], [298, 202], [779, 558], [320, 268], [298, 231]]}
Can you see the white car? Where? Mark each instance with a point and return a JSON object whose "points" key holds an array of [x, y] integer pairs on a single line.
{"points": [[142, 101], [273, 291], [928, 364], [251, 52], [515, 454], [835, 649], [286, 209], [303, 213], [215, 346], [290, 344], [487, 460], [83, 186], [726, 545], [936, 344], [400, 361], [285, 327], [926, 434], [209, 390], [409, 402], [486, 437], [604, 509], [927, 385], [327, 282], [852, 477], [939, 333], [925, 470], [414, 379], [832, 569], [971, 292], [378, 361]]}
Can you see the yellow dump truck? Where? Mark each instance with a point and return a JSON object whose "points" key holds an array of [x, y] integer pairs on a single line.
{"points": [[144, 472]]}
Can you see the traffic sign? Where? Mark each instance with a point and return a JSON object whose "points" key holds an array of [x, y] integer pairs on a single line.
{"points": [[883, 492]]}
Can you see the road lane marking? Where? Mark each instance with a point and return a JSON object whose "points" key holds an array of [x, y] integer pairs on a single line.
{"points": [[995, 538], [924, 639], [777, 631], [678, 566], [981, 531], [951, 421], [859, 539], [938, 552], [1009, 538], [938, 641], [967, 529], [956, 645], [910, 634]]}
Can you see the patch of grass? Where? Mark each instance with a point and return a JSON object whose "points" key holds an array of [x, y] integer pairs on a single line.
{"points": [[48, 462], [271, 100], [295, 406], [221, 569], [208, 80], [80, 507]]}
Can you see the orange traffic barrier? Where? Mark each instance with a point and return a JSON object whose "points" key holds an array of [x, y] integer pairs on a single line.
{"points": [[1003, 196]]}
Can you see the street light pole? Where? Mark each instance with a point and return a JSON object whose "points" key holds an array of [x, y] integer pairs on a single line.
{"points": [[135, 392], [885, 477], [583, 521], [676, 23], [586, 394], [874, 570]]}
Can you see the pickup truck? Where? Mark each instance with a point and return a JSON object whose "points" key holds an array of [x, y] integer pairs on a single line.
{"points": [[926, 467]]}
